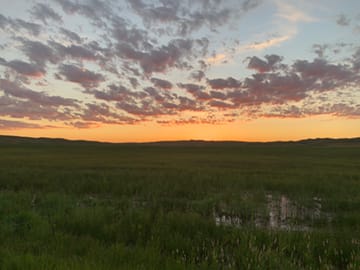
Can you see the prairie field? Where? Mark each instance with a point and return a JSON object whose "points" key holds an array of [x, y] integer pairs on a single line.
{"points": [[180, 205]]}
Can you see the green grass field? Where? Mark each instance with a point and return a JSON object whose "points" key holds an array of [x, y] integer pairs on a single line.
{"points": [[189, 205]]}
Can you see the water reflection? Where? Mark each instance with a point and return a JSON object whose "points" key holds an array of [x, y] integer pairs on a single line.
{"points": [[281, 214]]}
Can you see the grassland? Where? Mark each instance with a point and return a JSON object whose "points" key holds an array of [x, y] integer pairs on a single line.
{"points": [[185, 205]]}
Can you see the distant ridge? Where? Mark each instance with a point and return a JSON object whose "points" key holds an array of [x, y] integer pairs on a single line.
{"points": [[18, 140], [5, 139]]}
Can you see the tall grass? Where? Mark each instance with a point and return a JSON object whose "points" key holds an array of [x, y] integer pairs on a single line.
{"points": [[93, 206]]}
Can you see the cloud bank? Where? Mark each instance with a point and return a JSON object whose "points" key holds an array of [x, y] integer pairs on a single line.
{"points": [[87, 63]]}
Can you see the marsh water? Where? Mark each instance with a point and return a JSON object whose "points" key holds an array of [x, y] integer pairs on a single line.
{"points": [[281, 213]]}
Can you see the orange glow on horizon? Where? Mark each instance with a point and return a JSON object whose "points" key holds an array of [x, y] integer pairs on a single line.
{"points": [[261, 130]]}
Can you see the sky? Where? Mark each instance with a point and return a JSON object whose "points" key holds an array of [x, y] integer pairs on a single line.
{"points": [[153, 70]]}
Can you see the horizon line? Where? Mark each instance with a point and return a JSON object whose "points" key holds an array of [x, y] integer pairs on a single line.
{"points": [[183, 141]]}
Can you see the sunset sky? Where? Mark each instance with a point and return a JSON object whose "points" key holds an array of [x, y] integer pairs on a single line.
{"points": [[141, 70]]}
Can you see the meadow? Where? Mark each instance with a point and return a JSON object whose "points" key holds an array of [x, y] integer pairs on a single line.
{"points": [[183, 205]]}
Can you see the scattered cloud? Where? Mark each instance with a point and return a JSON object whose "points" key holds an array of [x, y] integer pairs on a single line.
{"points": [[21, 102], [250, 4], [70, 35], [10, 124], [17, 25], [218, 58], [197, 75], [185, 18], [16, 90], [23, 68], [82, 76], [162, 84], [224, 83], [342, 20], [272, 62], [163, 58], [44, 13], [74, 51], [39, 52], [82, 124], [258, 46]]}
